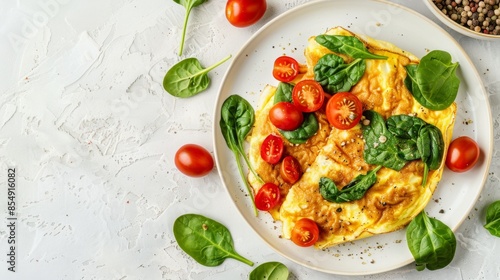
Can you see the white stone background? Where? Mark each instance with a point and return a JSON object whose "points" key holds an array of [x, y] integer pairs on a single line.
{"points": [[92, 134]]}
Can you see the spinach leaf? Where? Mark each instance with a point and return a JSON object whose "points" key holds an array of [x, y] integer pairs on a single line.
{"points": [[433, 82], [189, 5], [355, 190], [269, 271], [431, 148], [380, 145], [334, 75], [406, 129], [205, 240], [431, 242], [283, 93], [348, 45], [401, 139], [405, 126], [306, 130], [188, 77], [237, 119], [493, 218]]}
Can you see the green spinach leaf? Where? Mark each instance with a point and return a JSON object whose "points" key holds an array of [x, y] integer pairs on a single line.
{"points": [[406, 129], [269, 271], [334, 75], [237, 119], [188, 77], [355, 190], [493, 218], [348, 45], [189, 5], [431, 242], [205, 240], [431, 148], [434, 82], [283, 93], [306, 130], [401, 139], [381, 146]]}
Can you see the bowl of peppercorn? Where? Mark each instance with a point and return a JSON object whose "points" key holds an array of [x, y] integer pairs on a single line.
{"points": [[478, 19]]}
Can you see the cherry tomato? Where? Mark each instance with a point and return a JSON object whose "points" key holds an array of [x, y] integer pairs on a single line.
{"points": [[290, 170], [308, 96], [285, 69], [267, 197], [194, 160], [271, 149], [285, 116], [305, 232], [242, 13], [344, 110], [463, 154]]}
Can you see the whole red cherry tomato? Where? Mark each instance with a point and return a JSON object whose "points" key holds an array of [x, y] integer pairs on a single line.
{"points": [[193, 160], [463, 154], [243, 13], [285, 116]]}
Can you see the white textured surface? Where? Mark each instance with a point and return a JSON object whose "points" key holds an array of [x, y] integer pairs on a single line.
{"points": [[92, 134]]}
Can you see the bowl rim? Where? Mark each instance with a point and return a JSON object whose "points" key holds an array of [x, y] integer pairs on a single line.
{"points": [[456, 26]]}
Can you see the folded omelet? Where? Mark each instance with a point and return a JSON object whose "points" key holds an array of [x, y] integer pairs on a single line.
{"points": [[396, 197]]}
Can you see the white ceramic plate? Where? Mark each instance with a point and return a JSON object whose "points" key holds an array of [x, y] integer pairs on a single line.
{"points": [[287, 34]]}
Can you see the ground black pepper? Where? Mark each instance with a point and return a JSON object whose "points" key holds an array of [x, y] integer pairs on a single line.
{"points": [[478, 15]]}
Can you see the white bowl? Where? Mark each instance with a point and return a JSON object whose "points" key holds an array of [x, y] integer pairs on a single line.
{"points": [[457, 27]]}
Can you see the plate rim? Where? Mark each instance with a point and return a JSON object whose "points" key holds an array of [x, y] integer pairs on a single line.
{"points": [[216, 116]]}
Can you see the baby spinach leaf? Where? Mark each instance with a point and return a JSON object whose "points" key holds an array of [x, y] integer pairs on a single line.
{"points": [[283, 93], [237, 119], [381, 146], [188, 77], [189, 5], [434, 82], [401, 139], [355, 190], [493, 218], [406, 128], [348, 45], [431, 148], [431, 242], [306, 130], [269, 271], [334, 75], [205, 240]]}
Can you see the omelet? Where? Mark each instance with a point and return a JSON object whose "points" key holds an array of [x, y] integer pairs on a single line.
{"points": [[395, 198]]}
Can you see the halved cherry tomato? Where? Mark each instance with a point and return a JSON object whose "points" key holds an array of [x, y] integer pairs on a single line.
{"points": [[285, 116], [193, 160], [305, 232], [242, 13], [285, 69], [267, 197], [463, 154], [290, 170], [271, 149], [344, 110], [308, 95]]}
